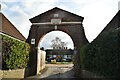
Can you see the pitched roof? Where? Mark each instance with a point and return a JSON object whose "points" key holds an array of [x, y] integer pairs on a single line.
{"points": [[113, 24], [9, 29], [63, 14]]}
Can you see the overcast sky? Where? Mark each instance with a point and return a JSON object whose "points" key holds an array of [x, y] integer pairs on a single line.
{"points": [[97, 14]]}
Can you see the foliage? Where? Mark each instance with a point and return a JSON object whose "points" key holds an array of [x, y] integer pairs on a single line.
{"points": [[102, 56], [15, 53], [58, 44]]}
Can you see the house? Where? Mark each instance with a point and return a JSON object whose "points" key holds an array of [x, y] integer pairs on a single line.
{"points": [[59, 54], [10, 31], [6, 27]]}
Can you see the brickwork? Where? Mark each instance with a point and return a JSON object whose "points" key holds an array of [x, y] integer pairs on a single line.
{"points": [[74, 30]]}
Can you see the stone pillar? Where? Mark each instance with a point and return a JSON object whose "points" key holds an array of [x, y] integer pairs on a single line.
{"points": [[38, 60], [76, 62], [41, 55], [118, 5]]}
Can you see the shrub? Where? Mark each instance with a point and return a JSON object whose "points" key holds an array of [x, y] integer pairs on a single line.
{"points": [[102, 56], [15, 54]]}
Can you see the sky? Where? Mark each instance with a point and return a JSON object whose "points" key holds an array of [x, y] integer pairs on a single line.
{"points": [[97, 14]]}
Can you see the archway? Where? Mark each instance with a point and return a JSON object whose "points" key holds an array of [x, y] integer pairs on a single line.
{"points": [[57, 19], [61, 51]]}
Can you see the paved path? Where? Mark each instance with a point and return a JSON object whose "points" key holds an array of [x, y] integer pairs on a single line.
{"points": [[62, 72], [57, 71]]}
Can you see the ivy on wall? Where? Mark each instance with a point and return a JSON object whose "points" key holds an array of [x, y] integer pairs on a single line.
{"points": [[102, 56], [15, 54]]}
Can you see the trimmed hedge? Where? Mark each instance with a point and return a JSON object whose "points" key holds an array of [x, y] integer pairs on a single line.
{"points": [[102, 56], [15, 54]]}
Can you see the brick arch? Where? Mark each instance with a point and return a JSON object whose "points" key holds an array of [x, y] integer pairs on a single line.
{"points": [[67, 22], [76, 32]]}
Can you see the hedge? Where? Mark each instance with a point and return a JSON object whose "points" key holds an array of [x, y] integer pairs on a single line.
{"points": [[102, 56], [15, 54]]}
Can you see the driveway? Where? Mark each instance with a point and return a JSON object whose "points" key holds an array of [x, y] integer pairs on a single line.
{"points": [[57, 71], [63, 72]]}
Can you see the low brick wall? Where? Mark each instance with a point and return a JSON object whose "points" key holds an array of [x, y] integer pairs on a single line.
{"points": [[1, 73], [19, 73]]}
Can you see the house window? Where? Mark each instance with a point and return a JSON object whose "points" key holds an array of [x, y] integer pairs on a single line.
{"points": [[65, 56]]}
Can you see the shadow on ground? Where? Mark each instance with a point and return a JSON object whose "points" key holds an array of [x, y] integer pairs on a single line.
{"points": [[65, 75], [68, 75]]}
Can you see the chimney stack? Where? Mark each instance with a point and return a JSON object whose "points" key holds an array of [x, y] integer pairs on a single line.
{"points": [[118, 5]]}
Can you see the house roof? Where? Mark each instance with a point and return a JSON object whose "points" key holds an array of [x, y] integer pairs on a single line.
{"points": [[9, 29], [112, 25]]}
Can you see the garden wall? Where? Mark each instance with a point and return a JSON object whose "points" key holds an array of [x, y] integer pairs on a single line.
{"points": [[40, 60], [19, 73], [1, 73], [15, 57]]}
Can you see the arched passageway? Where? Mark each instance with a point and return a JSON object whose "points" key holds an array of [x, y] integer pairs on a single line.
{"points": [[57, 19], [58, 47]]}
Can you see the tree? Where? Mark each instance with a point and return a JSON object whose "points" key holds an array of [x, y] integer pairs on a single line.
{"points": [[58, 44]]}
